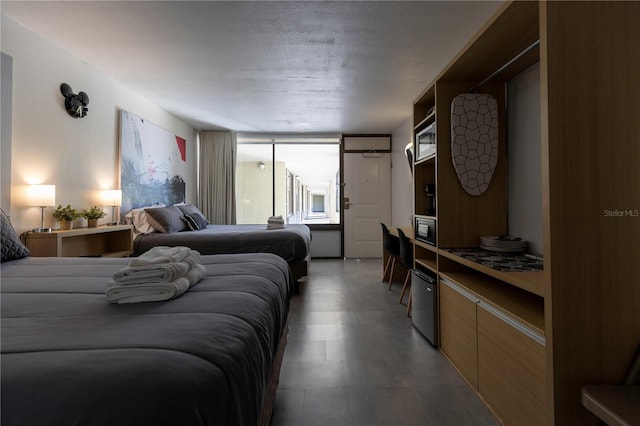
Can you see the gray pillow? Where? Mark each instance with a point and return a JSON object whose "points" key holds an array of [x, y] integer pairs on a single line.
{"points": [[199, 219], [191, 210], [166, 219], [12, 247], [192, 225]]}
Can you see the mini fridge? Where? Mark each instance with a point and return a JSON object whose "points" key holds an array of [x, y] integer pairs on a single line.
{"points": [[424, 312]]}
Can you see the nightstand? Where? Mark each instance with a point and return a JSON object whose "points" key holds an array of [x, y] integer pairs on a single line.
{"points": [[103, 241]]}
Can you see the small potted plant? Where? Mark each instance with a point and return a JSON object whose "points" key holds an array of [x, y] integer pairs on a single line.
{"points": [[92, 214], [65, 215]]}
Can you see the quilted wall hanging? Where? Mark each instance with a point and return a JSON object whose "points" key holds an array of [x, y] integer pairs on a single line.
{"points": [[474, 140]]}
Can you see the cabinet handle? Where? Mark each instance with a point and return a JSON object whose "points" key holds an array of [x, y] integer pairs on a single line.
{"points": [[459, 289], [527, 331]]}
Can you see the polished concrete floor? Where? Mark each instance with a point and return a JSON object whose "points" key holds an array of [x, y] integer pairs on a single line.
{"points": [[353, 358]]}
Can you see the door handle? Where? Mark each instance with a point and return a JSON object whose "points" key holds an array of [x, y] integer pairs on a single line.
{"points": [[347, 204]]}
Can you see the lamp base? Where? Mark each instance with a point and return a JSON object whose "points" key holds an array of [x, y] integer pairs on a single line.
{"points": [[41, 230]]}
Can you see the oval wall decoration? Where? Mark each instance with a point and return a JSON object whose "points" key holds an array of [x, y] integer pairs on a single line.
{"points": [[474, 140]]}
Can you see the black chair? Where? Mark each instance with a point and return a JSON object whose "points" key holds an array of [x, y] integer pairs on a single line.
{"points": [[391, 245], [406, 259]]}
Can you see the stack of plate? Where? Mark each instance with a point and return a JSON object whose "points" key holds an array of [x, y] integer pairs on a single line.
{"points": [[503, 244]]}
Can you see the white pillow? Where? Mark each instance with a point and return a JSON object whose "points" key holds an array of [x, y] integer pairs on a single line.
{"points": [[138, 218]]}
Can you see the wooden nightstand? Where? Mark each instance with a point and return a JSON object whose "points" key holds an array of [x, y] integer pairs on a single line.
{"points": [[103, 241]]}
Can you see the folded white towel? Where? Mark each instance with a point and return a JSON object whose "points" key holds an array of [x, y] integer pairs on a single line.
{"points": [[153, 292], [143, 272], [152, 273], [161, 254], [275, 222]]}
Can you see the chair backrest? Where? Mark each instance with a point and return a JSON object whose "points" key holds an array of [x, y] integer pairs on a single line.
{"points": [[390, 242], [406, 250]]}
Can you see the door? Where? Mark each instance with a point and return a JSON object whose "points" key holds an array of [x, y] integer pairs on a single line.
{"points": [[366, 202]]}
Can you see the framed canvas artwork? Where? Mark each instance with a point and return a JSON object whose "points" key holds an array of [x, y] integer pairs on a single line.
{"points": [[153, 164]]}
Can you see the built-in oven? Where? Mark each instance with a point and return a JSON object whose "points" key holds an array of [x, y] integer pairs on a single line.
{"points": [[426, 230]]}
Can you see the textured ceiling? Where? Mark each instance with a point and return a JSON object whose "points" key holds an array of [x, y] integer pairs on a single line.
{"points": [[353, 67]]}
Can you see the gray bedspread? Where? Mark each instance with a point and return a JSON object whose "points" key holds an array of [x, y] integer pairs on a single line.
{"points": [[71, 358], [290, 243]]}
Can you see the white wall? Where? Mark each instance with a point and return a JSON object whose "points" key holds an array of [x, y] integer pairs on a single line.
{"points": [[401, 178], [524, 183], [6, 68], [79, 156]]}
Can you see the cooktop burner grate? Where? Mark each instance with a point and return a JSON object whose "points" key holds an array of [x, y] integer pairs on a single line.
{"points": [[505, 262]]}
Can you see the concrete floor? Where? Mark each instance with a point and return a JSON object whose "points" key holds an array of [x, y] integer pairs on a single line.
{"points": [[354, 358]]}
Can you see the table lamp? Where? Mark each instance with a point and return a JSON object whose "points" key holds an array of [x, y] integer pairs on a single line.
{"points": [[113, 198], [42, 196]]}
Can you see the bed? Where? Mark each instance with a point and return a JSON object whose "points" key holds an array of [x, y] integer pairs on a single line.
{"points": [[209, 357], [166, 226]]}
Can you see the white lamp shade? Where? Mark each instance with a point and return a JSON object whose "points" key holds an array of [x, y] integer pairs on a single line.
{"points": [[112, 197], [42, 195]]}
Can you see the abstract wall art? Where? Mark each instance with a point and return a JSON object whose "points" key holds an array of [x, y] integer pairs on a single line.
{"points": [[153, 164]]}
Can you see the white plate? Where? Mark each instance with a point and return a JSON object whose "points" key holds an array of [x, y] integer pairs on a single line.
{"points": [[503, 249]]}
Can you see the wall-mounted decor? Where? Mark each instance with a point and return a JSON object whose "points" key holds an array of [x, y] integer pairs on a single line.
{"points": [[474, 140], [76, 105], [153, 164]]}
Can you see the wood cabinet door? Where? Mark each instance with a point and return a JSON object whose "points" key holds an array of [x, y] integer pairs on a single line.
{"points": [[511, 370], [458, 331]]}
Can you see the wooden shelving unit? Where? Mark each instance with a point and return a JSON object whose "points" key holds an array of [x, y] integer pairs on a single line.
{"points": [[430, 118], [425, 256], [530, 340], [103, 241]]}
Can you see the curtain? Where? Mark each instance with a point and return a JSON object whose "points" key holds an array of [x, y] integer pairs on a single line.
{"points": [[217, 170]]}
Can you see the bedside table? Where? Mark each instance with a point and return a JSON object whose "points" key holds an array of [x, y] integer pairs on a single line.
{"points": [[103, 241]]}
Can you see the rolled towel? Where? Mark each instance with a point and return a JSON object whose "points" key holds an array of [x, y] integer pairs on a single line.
{"points": [[161, 254], [275, 226], [141, 272], [154, 292], [193, 258], [152, 273]]}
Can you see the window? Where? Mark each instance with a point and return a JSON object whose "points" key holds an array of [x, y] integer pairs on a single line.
{"points": [[254, 183], [290, 200], [295, 178]]}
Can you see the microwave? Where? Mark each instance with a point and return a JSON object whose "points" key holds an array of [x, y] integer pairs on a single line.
{"points": [[425, 145], [426, 230]]}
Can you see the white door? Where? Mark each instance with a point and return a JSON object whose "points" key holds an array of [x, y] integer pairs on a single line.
{"points": [[366, 202]]}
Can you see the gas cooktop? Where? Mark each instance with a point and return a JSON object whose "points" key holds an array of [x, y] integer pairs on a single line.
{"points": [[505, 262]]}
